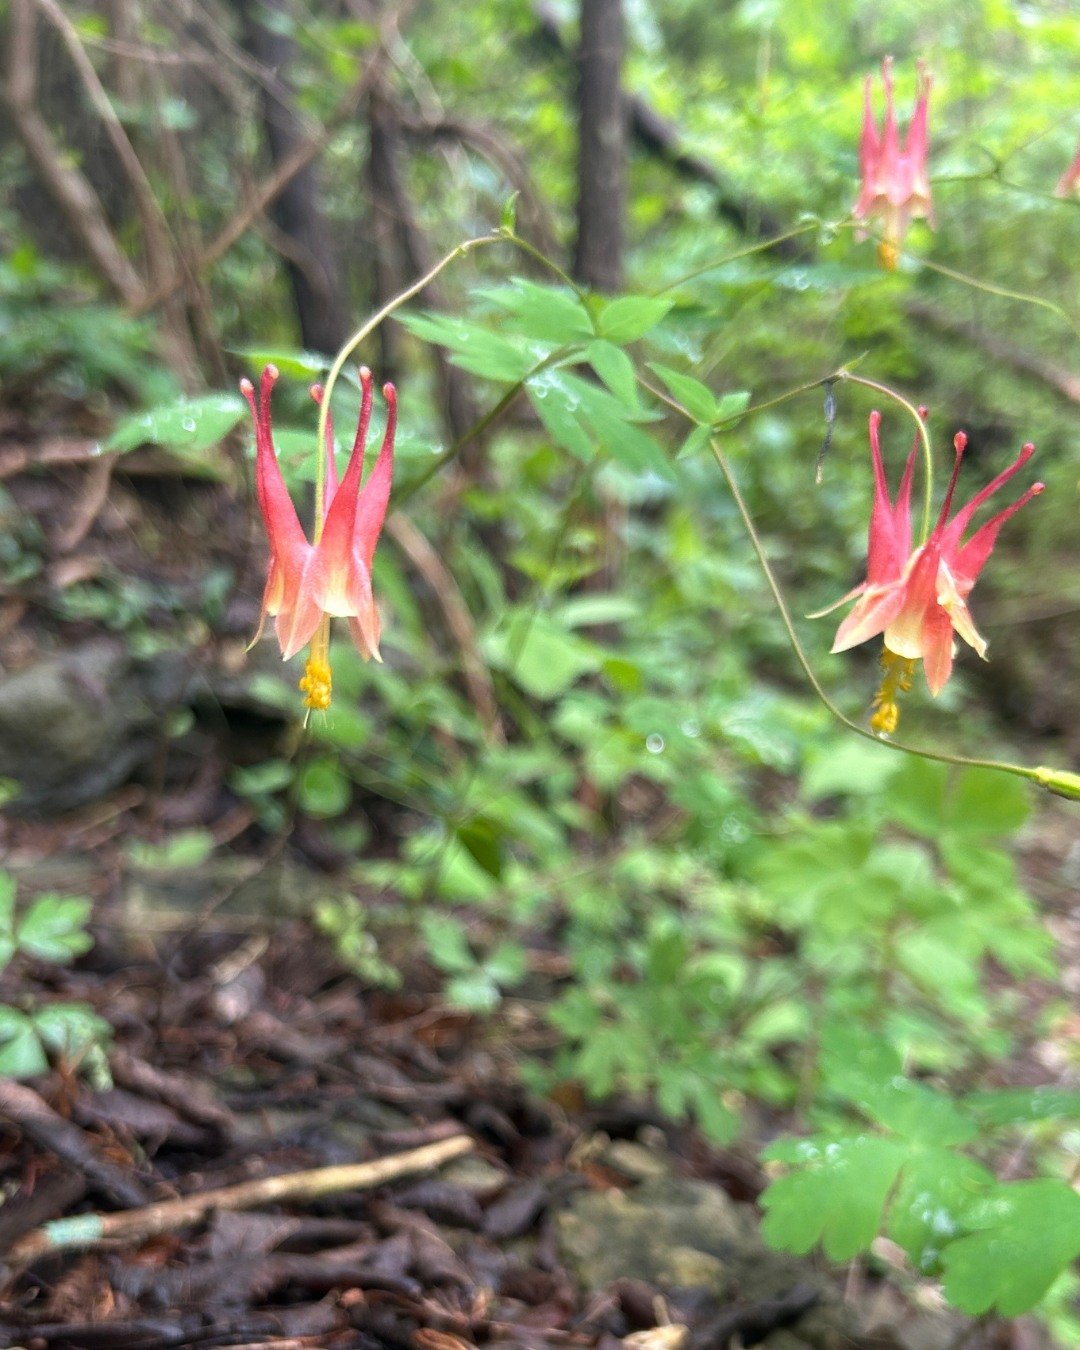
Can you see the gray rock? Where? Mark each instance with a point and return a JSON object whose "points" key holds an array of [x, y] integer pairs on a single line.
{"points": [[636, 1161], [75, 724], [672, 1232]]}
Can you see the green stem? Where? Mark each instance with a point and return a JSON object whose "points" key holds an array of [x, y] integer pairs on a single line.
{"points": [[365, 330], [924, 437], [990, 287], [523, 244], [747, 252]]}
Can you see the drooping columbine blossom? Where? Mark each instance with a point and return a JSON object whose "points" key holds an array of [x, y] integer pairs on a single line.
{"points": [[895, 186], [1070, 179], [918, 598], [308, 582]]}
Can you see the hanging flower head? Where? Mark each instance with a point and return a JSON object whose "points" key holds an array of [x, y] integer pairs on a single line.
{"points": [[308, 582], [895, 186], [918, 598]]}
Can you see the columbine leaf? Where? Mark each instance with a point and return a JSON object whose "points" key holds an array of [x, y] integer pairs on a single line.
{"points": [[836, 1196], [985, 802], [732, 405], [616, 369], [547, 313], [1020, 1106], [630, 317], [935, 1190], [70, 1029], [548, 398], [697, 440], [474, 348], [624, 441], [190, 425], [918, 1113], [697, 398], [54, 928], [1028, 1233], [21, 1051], [544, 659], [293, 364]]}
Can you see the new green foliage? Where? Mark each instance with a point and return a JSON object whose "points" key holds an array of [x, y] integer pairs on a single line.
{"points": [[50, 928]]}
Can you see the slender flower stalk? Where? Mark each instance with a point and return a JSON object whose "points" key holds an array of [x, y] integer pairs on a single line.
{"points": [[895, 186], [308, 582]]}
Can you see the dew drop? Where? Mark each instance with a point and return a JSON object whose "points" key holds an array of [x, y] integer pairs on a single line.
{"points": [[188, 424], [654, 743]]}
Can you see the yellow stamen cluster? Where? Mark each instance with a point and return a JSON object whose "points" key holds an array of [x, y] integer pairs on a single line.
{"points": [[899, 672], [316, 686], [888, 255]]}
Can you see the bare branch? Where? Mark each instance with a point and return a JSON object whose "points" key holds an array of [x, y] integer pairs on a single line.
{"points": [[68, 187], [487, 141], [1059, 378], [265, 193]]}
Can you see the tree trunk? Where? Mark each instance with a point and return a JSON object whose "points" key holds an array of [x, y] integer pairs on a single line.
{"points": [[313, 266], [601, 208]]}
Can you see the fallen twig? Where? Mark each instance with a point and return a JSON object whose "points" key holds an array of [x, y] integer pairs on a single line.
{"points": [[35, 1117], [431, 567], [88, 1230]]}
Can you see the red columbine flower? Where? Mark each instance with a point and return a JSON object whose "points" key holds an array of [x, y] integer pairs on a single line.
{"points": [[895, 186], [308, 582], [918, 599]]}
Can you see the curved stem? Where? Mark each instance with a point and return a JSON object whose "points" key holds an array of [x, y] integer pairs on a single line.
{"points": [[747, 252], [512, 237], [990, 287], [365, 330], [924, 437]]}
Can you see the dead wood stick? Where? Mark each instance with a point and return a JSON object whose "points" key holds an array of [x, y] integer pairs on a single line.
{"points": [[86, 1230], [183, 1094], [431, 567], [1061, 379], [89, 506], [35, 1117]]}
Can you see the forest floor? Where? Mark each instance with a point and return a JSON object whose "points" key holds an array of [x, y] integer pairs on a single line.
{"points": [[244, 1051]]}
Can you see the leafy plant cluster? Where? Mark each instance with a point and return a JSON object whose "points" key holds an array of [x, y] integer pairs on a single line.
{"points": [[51, 929]]}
